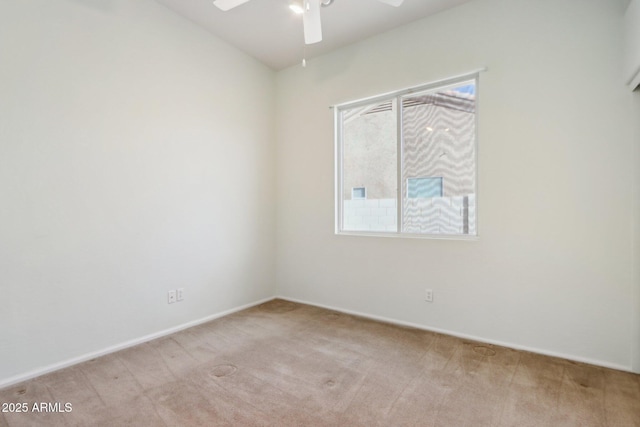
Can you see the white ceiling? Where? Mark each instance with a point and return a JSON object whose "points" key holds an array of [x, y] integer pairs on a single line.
{"points": [[270, 32]]}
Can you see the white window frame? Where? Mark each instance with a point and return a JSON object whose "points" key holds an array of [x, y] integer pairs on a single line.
{"points": [[339, 152]]}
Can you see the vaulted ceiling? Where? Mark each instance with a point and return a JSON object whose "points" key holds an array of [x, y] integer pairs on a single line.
{"points": [[269, 31]]}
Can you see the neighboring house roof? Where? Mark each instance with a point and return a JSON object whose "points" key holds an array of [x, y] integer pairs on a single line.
{"points": [[461, 99]]}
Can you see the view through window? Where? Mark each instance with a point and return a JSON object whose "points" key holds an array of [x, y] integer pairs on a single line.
{"points": [[415, 153]]}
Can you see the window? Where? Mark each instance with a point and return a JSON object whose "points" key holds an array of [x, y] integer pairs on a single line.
{"points": [[424, 188], [358, 193], [406, 162]]}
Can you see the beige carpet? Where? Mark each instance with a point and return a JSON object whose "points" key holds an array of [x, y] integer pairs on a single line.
{"points": [[286, 364]]}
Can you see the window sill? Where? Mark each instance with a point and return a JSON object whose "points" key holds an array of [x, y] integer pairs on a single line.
{"points": [[408, 235]]}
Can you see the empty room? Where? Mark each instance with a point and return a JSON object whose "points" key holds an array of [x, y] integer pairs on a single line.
{"points": [[320, 213]]}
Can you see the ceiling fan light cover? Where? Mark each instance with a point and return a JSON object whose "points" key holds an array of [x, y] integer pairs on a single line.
{"points": [[225, 5], [395, 3], [296, 7]]}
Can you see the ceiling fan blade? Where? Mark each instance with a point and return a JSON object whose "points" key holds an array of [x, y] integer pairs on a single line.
{"points": [[228, 4], [395, 3], [311, 22]]}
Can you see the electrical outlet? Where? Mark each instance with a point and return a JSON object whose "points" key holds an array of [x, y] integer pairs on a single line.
{"points": [[428, 295], [171, 297], [180, 294]]}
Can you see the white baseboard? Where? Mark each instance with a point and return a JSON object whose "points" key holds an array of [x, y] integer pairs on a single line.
{"points": [[6, 382], [112, 349], [467, 337]]}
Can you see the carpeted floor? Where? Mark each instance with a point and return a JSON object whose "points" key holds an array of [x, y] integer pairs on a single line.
{"points": [[286, 364]]}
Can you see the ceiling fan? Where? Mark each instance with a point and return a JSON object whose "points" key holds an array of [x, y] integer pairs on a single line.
{"points": [[310, 14]]}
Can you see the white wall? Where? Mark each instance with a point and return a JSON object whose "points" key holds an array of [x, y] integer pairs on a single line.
{"points": [[553, 268], [136, 156]]}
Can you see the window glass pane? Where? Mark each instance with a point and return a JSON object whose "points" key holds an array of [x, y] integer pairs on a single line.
{"points": [[359, 193], [439, 141], [369, 160], [433, 185], [424, 188]]}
